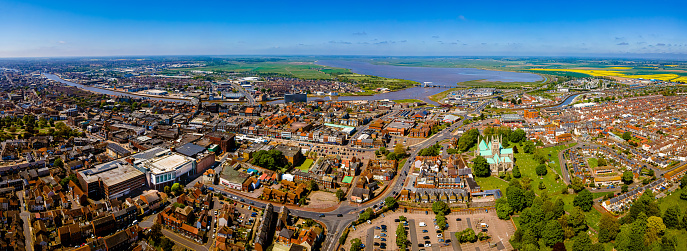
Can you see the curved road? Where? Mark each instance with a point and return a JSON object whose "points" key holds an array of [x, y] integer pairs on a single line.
{"points": [[335, 225]]}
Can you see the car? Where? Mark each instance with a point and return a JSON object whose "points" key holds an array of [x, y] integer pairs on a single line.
{"points": [[383, 226], [369, 222], [383, 239], [216, 212], [428, 245], [339, 215], [440, 235], [375, 244], [422, 224], [377, 237], [458, 219], [377, 228], [252, 203], [397, 220], [362, 245], [441, 240], [242, 200], [425, 231], [421, 245], [425, 237], [383, 234]]}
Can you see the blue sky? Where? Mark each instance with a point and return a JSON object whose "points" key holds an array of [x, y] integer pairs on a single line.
{"points": [[415, 28]]}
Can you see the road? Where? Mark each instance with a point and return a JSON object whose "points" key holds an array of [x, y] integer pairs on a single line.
{"points": [[25, 217], [251, 100], [334, 223]]}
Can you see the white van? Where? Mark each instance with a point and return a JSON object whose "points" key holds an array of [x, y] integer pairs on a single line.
{"points": [[422, 224]]}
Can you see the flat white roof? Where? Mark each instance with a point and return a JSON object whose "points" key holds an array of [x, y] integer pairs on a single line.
{"points": [[167, 163]]}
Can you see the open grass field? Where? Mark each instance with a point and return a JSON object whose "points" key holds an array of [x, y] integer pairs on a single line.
{"points": [[305, 166], [409, 101], [304, 70], [592, 162], [672, 200], [442, 95], [499, 84], [368, 82]]}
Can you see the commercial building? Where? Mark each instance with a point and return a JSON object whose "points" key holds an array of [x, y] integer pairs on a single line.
{"points": [[295, 97], [168, 169], [111, 180]]}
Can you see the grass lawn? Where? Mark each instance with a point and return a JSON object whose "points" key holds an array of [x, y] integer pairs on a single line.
{"points": [[671, 200], [442, 95], [305, 166], [492, 182], [402, 163], [527, 166], [592, 162], [409, 101]]}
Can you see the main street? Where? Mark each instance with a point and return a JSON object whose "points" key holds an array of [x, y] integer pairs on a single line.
{"points": [[334, 224]]}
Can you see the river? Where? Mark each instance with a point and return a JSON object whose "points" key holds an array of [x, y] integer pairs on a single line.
{"points": [[447, 77], [104, 91]]}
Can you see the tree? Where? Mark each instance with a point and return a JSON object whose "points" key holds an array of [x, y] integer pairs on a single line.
{"points": [[366, 215], [627, 136], [58, 163], [467, 235], [156, 233], [541, 170], [356, 244], [441, 221], [390, 202], [516, 172], [577, 184], [481, 167], [517, 136], [392, 156], [582, 242], [601, 162], [400, 150], [440, 207], [541, 185], [166, 244], [340, 194], [609, 227], [628, 177], [668, 243], [272, 159], [654, 229], [177, 189], [515, 198], [401, 237], [671, 218], [624, 188], [167, 189], [66, 180], [683, 181], [503, 209], [683, 195], [553, 233], [312, 185], [528, 147], [584, 200]]}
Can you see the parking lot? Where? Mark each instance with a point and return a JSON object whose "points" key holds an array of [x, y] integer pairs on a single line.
{"points": [[424, 235]]}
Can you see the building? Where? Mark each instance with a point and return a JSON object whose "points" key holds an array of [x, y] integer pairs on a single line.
{"points": [[204, 158], [262, 233], [116, 151], [111, 180], [168, 169], [232, 178], [500, 159], [156, 92], [295, 98], [292, 153]]}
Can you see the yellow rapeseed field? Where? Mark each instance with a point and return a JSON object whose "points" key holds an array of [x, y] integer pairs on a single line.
{"points": [[610, 73]]}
